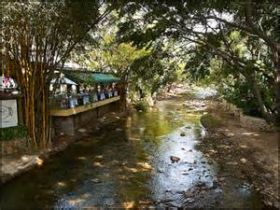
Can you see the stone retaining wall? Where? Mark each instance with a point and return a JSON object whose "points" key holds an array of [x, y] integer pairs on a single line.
{"points": [[253, 123]]}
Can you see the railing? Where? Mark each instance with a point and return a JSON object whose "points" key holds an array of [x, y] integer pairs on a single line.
{"points": [[77, 104], [67, 102]]}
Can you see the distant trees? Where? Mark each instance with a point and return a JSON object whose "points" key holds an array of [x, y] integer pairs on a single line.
{"points": [[36, 38], [142, 70]]}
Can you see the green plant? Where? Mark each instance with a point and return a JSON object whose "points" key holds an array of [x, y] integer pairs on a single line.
{"points": [[210, 122], [141, 105], [13, 133]]}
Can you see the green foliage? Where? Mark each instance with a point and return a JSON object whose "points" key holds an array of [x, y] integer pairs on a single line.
{"points": [[237, 81], [145, 69], [141, 105], [210, 122], [13, 133]]}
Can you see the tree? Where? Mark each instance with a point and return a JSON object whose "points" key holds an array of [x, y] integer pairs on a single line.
{"points": [[36, 39]]}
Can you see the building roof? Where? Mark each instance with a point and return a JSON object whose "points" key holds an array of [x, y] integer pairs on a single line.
{"points": [[90, 77], [63, 80]]}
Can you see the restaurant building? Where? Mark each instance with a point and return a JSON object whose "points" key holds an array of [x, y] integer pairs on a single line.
{"points": [[80, 97]]}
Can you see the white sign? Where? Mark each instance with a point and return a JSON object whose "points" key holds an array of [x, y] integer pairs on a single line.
{"points": [[8, 113]]}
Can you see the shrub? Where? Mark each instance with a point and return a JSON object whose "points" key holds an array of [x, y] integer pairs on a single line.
{"points": [[13, 133], [141, 105], [210, 122]]}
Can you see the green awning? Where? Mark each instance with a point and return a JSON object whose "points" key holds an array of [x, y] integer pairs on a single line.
{"points": [[104, 78], [90, 77]]}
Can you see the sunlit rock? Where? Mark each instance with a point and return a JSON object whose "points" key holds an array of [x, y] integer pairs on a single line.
{"points": [[243, 160], [95, 180], [39, 161], [82, 130], [145, 165]]}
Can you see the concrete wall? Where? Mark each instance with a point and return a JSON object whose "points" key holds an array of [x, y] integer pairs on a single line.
{"points": [[69, 125]]}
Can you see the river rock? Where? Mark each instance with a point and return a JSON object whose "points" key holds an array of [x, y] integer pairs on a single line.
{"points": [[215, 184], [189, 194], [160, 169], [96, 181], [234, 163], [174, 159], [243, 160], [190, 200], [182, 134], [221, 179], [201, 184], [82, 130]]}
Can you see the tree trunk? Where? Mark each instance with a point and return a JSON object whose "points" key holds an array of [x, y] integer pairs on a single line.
{"points": [[35, 104], [261, 104], [276, 61]]}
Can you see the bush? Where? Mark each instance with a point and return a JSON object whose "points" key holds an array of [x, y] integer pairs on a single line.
{"points": [[13, 133], [141, 105], [210, 122]]}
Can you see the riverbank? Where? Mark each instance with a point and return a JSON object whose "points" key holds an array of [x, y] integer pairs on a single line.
{"points": [[14, 165], [243, 152]]}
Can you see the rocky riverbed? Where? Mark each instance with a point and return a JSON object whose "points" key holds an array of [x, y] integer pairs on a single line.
{"points": [[243, 153]]}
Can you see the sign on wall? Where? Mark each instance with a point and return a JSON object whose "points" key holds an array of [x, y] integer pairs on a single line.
{"points": [[8, 113]]}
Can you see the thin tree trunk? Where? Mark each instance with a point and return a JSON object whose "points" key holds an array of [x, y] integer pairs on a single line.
{"points": [[276, 61]]}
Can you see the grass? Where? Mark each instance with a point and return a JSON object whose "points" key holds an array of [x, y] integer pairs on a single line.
{"points": [[11, 133]]}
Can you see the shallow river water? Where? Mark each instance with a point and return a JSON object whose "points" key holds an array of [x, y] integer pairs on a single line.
{"points": [[128, 164]]}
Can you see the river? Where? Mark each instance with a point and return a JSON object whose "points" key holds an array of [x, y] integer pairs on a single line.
{"points": [[128, 164]]}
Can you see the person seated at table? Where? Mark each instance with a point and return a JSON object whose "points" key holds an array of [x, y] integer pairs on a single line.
{"points": [[107, 92], [98, 92], [93, 94], [110, 93], [102, 95], [115, 90]]}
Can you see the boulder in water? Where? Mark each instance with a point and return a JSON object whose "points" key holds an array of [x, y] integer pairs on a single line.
{"points": [[174, 159], [182, 134]]}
